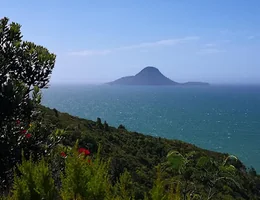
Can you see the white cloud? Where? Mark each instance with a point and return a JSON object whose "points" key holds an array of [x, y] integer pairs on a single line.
{"points": [[169, 42], [210, 51]]}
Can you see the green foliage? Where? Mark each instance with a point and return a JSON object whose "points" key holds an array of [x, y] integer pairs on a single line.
{"points": [[34, 182], [204, 162], [75, 178], [252, 172], [123, 189], [176, 160], [99, 123], [174, 192], [158, 192], [24, 68], [200, 173], [122, 127], [106, 127], [83, 178]]}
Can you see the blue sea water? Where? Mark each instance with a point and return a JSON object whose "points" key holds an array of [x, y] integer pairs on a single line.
{"points": [[219, 118]]}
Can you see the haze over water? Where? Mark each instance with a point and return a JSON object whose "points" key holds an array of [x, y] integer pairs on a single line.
{"points": [[219, 118]]}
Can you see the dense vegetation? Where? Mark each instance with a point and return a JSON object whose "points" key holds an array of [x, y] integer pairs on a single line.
{"points": [[46, 154], [200, 173]]}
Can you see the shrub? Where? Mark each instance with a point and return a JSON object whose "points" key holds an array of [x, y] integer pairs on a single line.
{"points": [[106, 127], [34, 182], [123, 189], [84, 178], [121, 127]]}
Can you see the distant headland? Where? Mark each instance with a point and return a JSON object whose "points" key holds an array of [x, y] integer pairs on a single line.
{"points": [[151, 76]]}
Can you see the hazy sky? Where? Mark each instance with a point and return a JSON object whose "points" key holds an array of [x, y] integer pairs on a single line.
{"points": [[188, 40]]}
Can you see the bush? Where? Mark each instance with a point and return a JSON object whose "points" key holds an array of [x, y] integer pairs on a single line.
{"points": [[84, 177], [122, 127], [34, 182], [106, 127]]}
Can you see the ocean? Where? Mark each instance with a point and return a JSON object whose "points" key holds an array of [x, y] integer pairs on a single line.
{"points": [[220, 118]]}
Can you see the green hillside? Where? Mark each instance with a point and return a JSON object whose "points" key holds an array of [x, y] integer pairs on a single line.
{"points": [[202, 171]]}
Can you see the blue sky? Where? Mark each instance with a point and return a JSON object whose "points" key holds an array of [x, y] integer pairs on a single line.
{"points": [[217, 41]]}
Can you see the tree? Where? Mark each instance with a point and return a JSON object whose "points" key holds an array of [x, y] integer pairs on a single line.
{"points": [[121, 127], [25, 68], [99, 123], [106, 127]]}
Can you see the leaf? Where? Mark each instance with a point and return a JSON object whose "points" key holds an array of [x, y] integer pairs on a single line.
{"points": [[204, 162], [176, 160]]}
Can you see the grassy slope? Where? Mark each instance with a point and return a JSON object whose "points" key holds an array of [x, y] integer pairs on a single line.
{"points": [[141, 153]]}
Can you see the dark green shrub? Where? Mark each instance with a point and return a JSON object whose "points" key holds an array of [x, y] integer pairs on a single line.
{"points": [[106, 127], [122, 127]]}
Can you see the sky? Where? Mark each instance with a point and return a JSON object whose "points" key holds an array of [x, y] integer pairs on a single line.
{"points": [[216, 41]]}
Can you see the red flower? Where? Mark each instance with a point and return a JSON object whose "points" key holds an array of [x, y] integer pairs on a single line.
{"points": [[28, 135], [18, 122], [85, 151], [63, 154], [89, 161], [23, 131], [81, 150]]}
